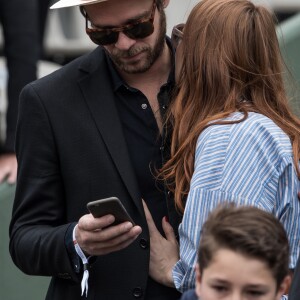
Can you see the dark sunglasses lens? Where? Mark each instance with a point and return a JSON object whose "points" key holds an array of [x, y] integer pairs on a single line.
{"points": [[140, 31], [104, 37], [137, 31]]}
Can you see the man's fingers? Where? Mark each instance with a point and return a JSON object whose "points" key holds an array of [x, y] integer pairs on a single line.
{"points": [[112, 232], [117, 247], [108, 240], [124, 237], [151, 224], [97, 236], [89, 223]]}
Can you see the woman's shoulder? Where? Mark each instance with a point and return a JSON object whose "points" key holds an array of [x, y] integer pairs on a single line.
{"points": [[256, 139], [241, 152], [253, 121], [255, 129], [261, 130]]}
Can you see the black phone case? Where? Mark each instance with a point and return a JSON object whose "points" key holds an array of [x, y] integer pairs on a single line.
{"points": [[113, 206]]}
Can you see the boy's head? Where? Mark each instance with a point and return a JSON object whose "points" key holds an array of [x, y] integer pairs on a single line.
{"points": [[243, 252]]}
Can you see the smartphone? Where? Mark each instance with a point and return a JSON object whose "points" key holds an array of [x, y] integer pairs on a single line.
{"points": [[110, 206]]}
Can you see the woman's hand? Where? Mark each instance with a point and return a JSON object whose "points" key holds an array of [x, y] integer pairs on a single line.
{"points": [[164, 252]]}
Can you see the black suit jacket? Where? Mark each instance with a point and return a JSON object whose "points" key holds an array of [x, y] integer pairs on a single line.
{"points": [[71, 150]]}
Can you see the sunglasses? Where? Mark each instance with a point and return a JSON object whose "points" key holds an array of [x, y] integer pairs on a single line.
{"points": [[177, 35], [135, 30]]}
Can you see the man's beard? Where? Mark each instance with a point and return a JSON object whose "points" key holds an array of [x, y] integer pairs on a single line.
{"points": [[149, 55]]}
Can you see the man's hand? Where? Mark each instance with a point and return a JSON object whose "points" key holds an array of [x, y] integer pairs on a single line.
{"points": [[8, 168], [164, 252], [95, 236]]}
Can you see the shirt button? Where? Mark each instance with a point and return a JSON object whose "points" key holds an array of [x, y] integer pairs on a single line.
{"points": [[143, 243], [137, 292], [144, 106]]}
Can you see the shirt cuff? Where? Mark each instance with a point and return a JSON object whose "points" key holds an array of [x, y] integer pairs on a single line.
{"points": [[74, 258], [85, 263]]}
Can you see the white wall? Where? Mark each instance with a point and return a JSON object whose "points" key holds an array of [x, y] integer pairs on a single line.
{"points": [[177, 12]]}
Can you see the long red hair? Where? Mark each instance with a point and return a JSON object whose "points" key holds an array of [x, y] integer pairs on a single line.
{"points": [[231, 62]]}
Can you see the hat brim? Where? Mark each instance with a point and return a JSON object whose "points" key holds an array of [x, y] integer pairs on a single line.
{"points": [[69, 3]]}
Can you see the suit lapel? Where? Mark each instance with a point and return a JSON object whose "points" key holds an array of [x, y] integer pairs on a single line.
{"points": [[98, 94]]}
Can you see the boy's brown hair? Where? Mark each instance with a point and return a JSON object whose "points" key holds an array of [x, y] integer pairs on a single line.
{"points": [[249, 231]]}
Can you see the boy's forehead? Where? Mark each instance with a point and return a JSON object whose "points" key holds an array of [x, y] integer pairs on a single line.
{"points": [[237, 267]]}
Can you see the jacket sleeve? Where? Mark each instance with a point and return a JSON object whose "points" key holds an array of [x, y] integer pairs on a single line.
{"points": [[38, 229]]}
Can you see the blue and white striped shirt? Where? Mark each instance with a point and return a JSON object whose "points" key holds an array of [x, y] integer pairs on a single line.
{"points": [[249, 163]]}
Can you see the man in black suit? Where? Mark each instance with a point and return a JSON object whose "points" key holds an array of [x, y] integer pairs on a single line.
{"points": [[91, 130]]}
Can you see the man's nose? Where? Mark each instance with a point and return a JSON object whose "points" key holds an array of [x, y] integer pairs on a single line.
{"points": [[124, 42]]}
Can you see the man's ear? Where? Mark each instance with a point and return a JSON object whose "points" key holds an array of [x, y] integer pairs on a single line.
{"points": [[284, 287], [198, 281]]}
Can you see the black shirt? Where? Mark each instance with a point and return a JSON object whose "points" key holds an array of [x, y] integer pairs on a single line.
{"points": [[145, 144], [147, 150]]}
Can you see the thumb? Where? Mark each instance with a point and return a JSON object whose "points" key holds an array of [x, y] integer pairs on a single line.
{"points": [[168, 230]]}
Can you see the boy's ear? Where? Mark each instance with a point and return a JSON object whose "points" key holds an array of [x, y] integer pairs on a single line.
{"points": [[284, 287], [198, 281]]}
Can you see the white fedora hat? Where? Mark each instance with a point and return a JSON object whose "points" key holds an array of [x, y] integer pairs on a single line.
{"points": [[68, 3]]}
